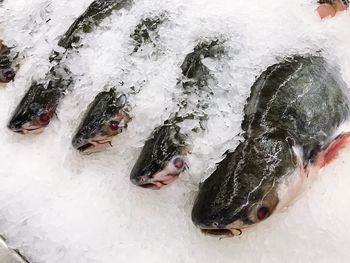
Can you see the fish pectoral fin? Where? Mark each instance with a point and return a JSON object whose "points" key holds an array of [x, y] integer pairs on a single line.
{"points": [[332, 150]]}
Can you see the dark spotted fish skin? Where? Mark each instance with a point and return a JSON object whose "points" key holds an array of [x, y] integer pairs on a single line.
{"points": [[297, 104]]}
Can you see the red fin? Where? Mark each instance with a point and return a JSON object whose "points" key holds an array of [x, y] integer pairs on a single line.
{"points": [[331, 152]]}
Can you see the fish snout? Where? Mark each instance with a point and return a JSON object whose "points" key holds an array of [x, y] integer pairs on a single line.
{"points": [[15, 125], [82, 145], [78, 142]]}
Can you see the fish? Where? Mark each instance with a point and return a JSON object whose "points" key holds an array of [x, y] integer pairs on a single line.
{"points": [[163, 156], [294, 124], [7, 72], [146, 30], [107, 116], [91, 18], [109, 113], [38, 106], [161, 159]]}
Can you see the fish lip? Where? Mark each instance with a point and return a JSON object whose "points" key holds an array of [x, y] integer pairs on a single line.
{"points": [[153, 184], [227, 232], [92, 146], [25, 131]]}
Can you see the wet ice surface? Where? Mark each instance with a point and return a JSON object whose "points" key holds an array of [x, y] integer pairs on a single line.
{"points": [[58, 206]]}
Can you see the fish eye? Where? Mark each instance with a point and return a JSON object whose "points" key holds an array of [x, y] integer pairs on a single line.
{"points": [[178, 163], [114, 125], [9, 75], [44, 118], [263, 213]]}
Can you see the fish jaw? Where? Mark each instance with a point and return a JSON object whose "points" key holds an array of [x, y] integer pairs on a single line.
{"points": [[158, 181], [30, 131], [225, 232], [27, 128], [93, 145]]}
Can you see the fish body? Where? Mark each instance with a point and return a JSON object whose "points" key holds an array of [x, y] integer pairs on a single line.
{"points": [[292, 117], [106, 117], [93, 15], [162, 158], [144, 31]]}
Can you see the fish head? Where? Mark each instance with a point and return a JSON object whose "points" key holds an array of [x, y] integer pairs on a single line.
{"points": [[105, 118], [161, 160], [245, 188], [35, 110], [7, 75]]}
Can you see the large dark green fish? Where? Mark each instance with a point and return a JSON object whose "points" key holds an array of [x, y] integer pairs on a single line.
{"points": [[38, 105], [107, 115], [162, 158], [294, 124]]}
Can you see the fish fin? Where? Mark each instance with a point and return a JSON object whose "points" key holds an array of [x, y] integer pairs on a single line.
{"points": [[332, 150]]}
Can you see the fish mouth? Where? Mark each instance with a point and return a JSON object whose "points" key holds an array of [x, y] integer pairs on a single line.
{"points": [[25, 131], [226, 232], [94, 145], [158, 181], [157, 185]]}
